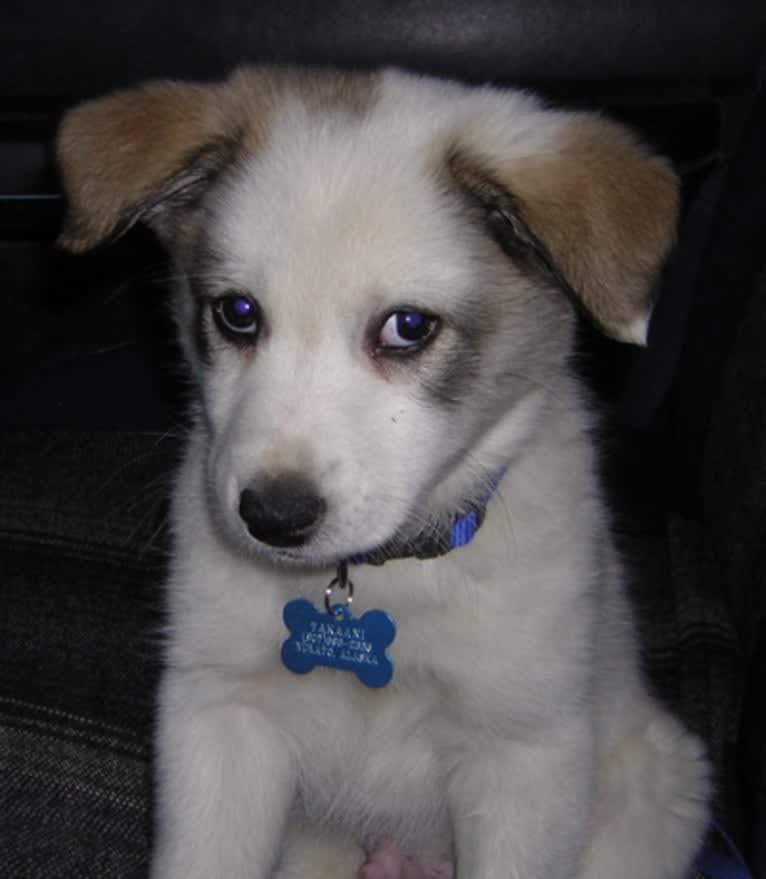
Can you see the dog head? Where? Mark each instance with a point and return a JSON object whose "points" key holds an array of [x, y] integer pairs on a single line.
{"points": [[379, 277]]}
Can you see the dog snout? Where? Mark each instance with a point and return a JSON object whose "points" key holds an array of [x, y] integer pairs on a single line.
{"points": [[282, 511]]}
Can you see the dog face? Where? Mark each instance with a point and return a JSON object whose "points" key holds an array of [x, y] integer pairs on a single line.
{"points": [[385, 339], [378, 279]]}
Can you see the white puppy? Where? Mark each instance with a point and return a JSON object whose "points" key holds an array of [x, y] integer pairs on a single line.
{"points": [[377, 284]]}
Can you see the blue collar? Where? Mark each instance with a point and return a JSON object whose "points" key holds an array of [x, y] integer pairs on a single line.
{"points": [[433, 543]]}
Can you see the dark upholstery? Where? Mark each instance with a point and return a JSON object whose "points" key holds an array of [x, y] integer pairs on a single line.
{"points": [[98, 44], [91, 392], [82, 551]]}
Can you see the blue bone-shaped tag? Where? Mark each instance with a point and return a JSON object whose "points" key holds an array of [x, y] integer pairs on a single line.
{"points": [[338, 640]]}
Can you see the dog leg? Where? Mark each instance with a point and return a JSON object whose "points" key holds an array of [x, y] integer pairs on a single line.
{"points": [[226, 785], [522, 810], [652, 807]]}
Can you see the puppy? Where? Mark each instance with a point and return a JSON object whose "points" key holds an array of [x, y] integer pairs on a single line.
{"points": [[378, 279]]}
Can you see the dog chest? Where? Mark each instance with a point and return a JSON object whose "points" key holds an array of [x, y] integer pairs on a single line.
{"points": [[370, 758]]}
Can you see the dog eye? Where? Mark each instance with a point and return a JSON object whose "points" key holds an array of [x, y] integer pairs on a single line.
{"points": [[236, 316], [407, 330]]}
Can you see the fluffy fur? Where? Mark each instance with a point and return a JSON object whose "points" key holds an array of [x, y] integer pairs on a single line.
{"points": [[517, 737]]}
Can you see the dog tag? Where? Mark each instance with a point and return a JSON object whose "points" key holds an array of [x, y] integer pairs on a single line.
{"points": [[338, 640]]}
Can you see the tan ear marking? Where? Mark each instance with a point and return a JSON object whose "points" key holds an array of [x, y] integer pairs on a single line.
{"points": [[504, 216], [605, 210], [608, 210], [116, 153]]}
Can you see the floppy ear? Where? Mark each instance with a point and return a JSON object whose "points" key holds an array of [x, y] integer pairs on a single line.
{"points": [[591, 207], [142, 154]]}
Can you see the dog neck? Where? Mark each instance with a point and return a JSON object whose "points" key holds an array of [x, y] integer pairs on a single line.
{"points": [[436, 541]]}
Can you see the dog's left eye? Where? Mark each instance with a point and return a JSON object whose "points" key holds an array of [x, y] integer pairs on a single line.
{"points": [[237, 316], [407, 330]]}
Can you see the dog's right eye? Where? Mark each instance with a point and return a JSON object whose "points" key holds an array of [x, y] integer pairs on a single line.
{"points": [[237, 316]]}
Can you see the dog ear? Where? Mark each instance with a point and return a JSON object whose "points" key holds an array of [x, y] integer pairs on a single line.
{"points": [[591, 207], [144, 154]]}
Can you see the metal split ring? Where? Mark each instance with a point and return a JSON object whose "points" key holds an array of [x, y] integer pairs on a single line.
{"points": [[341, 581]]}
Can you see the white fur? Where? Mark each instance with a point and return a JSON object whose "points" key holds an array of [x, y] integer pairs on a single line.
{"points": [[517, 735]]}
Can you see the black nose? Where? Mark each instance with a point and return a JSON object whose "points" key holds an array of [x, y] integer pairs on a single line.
{"points": [[281, 511]]}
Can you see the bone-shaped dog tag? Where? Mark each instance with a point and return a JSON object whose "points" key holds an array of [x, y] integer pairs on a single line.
{"points": [[338, 640]]}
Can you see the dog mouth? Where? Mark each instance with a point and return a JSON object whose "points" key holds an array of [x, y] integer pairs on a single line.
{"points": [[311, 556], [316, 554], [298, 559], [319, 550]]}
